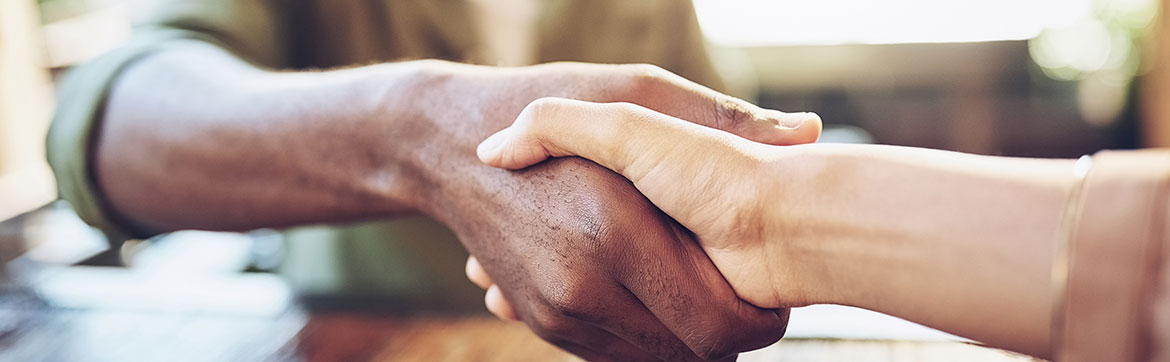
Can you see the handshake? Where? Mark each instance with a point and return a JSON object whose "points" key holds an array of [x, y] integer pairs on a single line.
{"points": [[736, 217], [712, 183], [644, 281]]}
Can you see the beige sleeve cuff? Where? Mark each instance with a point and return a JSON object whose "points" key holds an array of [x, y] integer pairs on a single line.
{"points": [[1115, 259]]}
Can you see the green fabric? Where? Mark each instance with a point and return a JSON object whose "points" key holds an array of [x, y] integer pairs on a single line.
{"points": [[414, 260], [80, 97]]}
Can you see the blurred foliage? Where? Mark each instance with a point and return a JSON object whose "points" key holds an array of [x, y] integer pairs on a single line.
{"points": [[1099, 36], [1100, 46]]}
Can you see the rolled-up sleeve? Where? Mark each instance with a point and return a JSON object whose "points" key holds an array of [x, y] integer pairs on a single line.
{"points": [[252, 29]]}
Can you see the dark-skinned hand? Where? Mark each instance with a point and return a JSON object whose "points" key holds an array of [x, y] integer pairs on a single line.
{"points": [[583, 258]]}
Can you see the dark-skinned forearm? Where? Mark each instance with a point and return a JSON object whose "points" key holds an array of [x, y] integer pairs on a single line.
{"points": [[192, 137]]}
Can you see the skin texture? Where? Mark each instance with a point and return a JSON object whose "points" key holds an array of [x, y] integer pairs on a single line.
{"points": [[194, 138], [959, 242]]}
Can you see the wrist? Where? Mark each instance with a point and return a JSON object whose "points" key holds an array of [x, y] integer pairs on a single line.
{"points": [[836, 226], [886, 228], [442, 114], [826, 224], [381, 130], [798, 228]]}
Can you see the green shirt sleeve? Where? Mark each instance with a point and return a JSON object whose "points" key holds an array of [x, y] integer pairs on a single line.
{"points": [[249, 28]]}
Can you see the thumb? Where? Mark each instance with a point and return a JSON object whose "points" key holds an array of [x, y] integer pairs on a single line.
{"points": [[767, 126], [626, 138], [673, 95]]}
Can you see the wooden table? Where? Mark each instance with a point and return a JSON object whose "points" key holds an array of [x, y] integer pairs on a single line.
{"points": [[33, 330], [48, 335], [488, 339], [38, 322]]}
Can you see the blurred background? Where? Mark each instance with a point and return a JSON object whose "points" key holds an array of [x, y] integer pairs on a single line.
{"points": [[1042, 78]]}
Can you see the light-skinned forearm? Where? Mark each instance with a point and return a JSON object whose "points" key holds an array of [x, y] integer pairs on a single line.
{"points": [[959, 242]]}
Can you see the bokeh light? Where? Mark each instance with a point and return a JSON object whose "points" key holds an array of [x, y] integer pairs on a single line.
{"points": [[830, 22]]}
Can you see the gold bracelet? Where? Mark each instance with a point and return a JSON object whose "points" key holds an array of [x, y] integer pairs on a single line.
{"points": [[1060, 263]]}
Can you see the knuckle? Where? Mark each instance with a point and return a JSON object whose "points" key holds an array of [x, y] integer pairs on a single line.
{"points": [[543, 106], [573, 302], [541, 110], [545, 102], [551, 326], [646, 70], [730, 113], [594, 231], [625, 109], [646, 79]]}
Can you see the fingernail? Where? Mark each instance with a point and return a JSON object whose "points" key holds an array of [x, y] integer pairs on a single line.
{"points": [[795, 120]]}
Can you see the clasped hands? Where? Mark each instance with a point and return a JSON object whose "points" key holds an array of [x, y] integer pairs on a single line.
{"points": [[709, 181]]}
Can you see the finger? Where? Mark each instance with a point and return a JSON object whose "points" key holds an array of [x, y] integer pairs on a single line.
{"points": [[593, 344], [710, 319], [476, 274], [580, 337], [671, 94], [571, 334], [640, 327], [495, 302]]}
